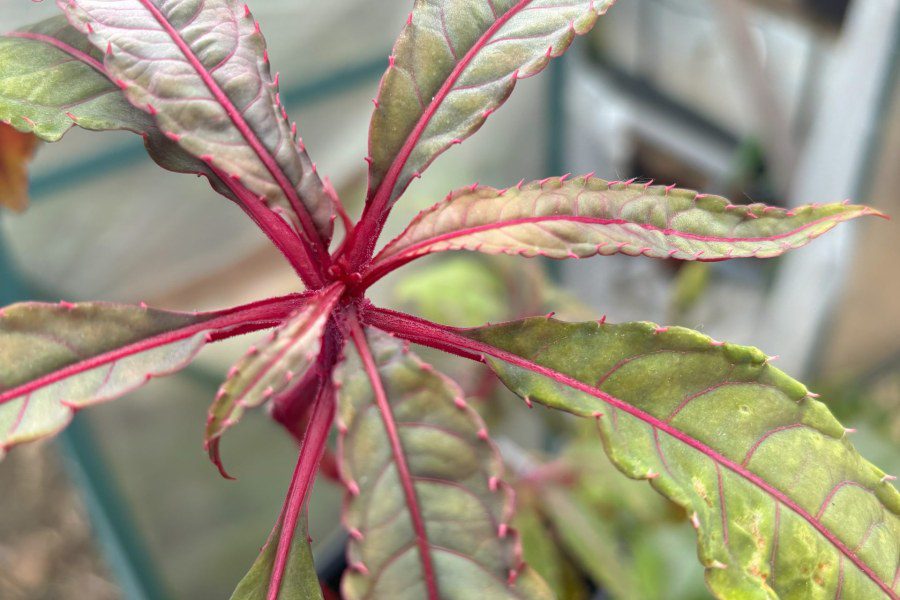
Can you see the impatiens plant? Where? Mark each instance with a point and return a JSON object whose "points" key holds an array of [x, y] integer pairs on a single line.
{"points": [[782, 503]]}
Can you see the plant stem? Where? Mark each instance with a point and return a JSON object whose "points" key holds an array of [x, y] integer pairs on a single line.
{"points": [[295, 249], [301, 482]]}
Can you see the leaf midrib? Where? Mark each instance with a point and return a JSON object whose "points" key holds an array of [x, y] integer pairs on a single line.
{"points": [[404, 474], [668, 232]]}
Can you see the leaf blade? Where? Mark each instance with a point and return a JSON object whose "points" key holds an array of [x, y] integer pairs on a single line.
{"points": [[59, 358], [53, 79], [441, 52], [586, 216], [54, 63], [225, 110], [671, 439], [388, 554], [839, 552]]}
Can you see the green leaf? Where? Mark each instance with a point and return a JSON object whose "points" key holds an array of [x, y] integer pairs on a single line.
{"points": [[431, 504], [461, 290], [271, 368], [455, 62], [782, 501], [56, 359], [587, 216], [300, 580], [201, 67], [52, 78], [16, 151]]}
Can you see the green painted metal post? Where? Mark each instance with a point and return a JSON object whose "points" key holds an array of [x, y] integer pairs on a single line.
{"points": [[555, 134]]}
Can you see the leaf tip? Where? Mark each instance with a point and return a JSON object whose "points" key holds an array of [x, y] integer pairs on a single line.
{"points": [[215, 456]]}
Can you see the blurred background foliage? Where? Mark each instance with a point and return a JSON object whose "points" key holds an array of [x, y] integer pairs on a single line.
{"points": [[778, 101]]}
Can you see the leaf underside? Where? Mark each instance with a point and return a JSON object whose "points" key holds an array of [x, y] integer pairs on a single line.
{"points": [[455, 62], [455, 470], [201, 67], [300, 580], [586, 216], [56, 359], [782, 501]]}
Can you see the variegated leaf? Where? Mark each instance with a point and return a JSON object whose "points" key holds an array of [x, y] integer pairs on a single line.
{"points": [[587, 216], [56, 359], [783, 503], [270, 368], [201, 68], [427, 514]]}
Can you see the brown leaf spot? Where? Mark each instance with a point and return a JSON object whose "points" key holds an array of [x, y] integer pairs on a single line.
{"points": [[701, 491]]}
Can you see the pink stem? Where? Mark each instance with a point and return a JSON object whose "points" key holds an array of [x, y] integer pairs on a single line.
{"points": [[293, 247], [387, 416], [220, 325], [431, 334], [304, 474]]}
